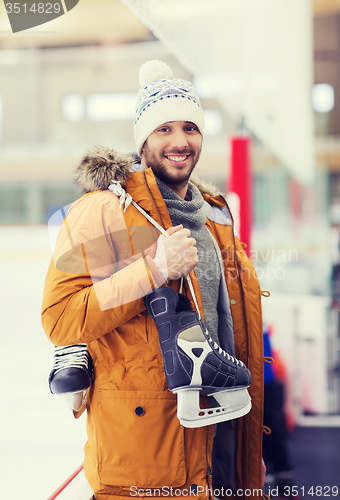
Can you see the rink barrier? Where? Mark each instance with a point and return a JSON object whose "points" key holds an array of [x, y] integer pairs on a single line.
{"points": [[66, 483]]}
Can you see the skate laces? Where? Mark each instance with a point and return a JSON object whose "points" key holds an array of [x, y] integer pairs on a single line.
{"points": [[71, 356], [222, 351]]}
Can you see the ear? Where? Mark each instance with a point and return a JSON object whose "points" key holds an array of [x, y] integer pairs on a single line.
{"points": [[142, 157]]}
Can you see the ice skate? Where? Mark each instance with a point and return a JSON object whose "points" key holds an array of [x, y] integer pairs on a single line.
{"points": [[72, 373], [195, 365]]}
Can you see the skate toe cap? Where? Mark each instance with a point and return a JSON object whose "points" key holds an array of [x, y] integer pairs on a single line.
{"points": [[69, 380], [243, 376]]}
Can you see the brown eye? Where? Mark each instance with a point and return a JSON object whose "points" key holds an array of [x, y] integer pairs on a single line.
{"points": [[191, 128]]}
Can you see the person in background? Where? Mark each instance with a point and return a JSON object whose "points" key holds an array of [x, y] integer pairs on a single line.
{"points": [[276, 453]]}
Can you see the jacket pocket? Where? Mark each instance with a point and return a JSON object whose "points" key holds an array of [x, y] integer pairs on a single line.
{"points": [[140, 440]]}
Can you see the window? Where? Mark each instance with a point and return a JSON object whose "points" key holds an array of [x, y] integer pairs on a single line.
{"points": [[73, 108], [104, 107]]}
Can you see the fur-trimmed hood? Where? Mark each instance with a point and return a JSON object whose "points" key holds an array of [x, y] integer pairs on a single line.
{"points": [[100, 165]]}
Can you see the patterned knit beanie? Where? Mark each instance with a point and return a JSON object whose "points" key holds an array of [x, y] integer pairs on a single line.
{"points": [[162, 99]]}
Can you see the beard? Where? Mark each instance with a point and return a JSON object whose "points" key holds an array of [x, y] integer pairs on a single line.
{"points": [[169, 174]]}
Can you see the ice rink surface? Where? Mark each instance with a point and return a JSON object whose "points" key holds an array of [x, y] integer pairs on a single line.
{"points": [[41, 443]]}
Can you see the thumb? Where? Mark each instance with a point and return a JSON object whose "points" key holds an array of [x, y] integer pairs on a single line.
{"points": [[172, 230]]}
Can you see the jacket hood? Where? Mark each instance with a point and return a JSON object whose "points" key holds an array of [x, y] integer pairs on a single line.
{"points": [[101, 165]]}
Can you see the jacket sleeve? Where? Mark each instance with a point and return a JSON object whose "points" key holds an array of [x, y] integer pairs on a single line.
{"points": [[94, 283]]}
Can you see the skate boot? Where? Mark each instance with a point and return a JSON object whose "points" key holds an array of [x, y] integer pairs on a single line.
{"points": [[195, 365], [72, 373]]}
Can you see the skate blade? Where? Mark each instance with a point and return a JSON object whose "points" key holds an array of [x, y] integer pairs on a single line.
{"points": [[207, 390], [232, 403], [74, 400]]}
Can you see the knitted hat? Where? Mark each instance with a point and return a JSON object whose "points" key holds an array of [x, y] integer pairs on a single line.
{"points": [[162, 99]]}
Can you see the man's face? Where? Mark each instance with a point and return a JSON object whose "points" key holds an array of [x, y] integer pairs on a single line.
{"points": [[172, 151]]}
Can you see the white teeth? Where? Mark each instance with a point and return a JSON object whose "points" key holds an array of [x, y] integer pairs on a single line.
{"points": [[177, 158]]}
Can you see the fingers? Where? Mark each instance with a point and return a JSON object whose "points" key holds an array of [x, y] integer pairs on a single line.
{"points": [[174, 229], [180, 252], [180, 231]]}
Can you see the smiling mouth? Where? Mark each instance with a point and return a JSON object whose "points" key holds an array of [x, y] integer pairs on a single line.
{"points": [[177, 158]]}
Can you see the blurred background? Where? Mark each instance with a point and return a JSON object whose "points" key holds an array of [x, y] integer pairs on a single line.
{"points": [[268, 75]]}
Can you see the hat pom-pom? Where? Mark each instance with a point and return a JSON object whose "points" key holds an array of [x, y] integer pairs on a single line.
{"points": [[153, 70]]}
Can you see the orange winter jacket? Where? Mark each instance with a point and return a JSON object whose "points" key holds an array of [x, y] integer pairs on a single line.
{"points": [[101, 269]]}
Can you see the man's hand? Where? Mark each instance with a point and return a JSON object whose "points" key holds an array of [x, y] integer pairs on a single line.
{"points": [[176, 254]]}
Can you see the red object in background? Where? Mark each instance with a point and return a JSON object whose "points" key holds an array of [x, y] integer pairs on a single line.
{"points": [[295, 198], [295, 204], [66, 483], [240, 182]]}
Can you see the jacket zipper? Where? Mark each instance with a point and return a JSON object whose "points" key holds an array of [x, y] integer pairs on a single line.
{"points": [[209, 466], [244, 315], [241, 289], [209, 481], [239, 284], [242, 298]]}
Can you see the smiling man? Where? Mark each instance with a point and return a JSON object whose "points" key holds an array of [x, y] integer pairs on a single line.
{"points": [[108, 257], [172, 151], [169, 125]]}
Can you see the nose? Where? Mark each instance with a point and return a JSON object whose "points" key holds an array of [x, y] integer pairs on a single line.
{"points": [[179, 139]]}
